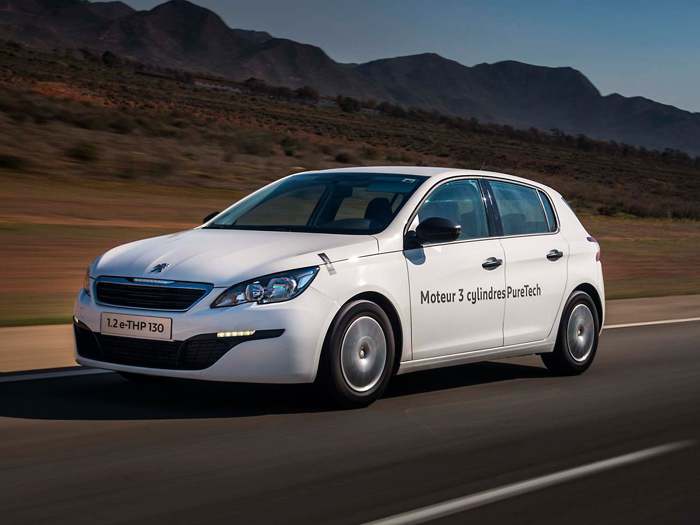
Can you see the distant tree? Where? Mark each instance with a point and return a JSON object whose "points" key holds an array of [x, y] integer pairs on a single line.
{"points": [[307, 93], [282, 92], [89, 55], [613, 147], [349, 104], [113, 60], [557, 133], [584, 143], [385, 108], [256, 85], [398, 112]]}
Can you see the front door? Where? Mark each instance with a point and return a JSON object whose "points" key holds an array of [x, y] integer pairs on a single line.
{"points": [[457, 288]]}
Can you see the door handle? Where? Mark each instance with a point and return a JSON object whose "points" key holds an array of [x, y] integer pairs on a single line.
{"points": [[491, 263], [555, 255]]}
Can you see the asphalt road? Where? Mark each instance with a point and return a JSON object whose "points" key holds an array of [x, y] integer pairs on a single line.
{"points": [[96, 449]]}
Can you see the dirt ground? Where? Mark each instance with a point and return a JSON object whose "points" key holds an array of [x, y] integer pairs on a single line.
{"points": [[52, 228]]}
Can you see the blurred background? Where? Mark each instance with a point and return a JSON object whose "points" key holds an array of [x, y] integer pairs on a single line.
{"points": [[97, 150], [124, 120]]}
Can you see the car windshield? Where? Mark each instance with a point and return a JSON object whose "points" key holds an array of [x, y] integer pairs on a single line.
{"points": [[347, 203]]}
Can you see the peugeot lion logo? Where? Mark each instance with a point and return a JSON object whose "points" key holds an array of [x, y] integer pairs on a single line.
{"points": [[159, 267]]}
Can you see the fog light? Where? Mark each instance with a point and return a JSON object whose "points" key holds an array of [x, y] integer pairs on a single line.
{"points": [[242, 333]]}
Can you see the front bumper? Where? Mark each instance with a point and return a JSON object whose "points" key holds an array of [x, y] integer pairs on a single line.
{"points": [[289, 353]]}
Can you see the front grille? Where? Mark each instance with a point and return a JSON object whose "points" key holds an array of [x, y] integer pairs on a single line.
{"points": [[86, 343], [149, 297], [196, 353], [139, 352], [202, 353], [193, 354]]}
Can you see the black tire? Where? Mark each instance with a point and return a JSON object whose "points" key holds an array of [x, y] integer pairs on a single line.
{"points": [[336, 379], [571, 356], [143, 379]]}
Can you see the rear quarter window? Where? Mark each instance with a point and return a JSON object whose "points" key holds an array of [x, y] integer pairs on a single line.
{"points": [[549, 211]]}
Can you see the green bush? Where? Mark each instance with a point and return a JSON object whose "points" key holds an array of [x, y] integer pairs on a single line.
{"points": [[84, 152], [371, 153], [12, 162], [290, 145], [89, 121], [393, 156], [122, 124], [346, 158], [253, 143]]}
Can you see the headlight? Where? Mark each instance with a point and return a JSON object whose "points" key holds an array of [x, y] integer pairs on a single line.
{"points": [[86, 279], [274, 288]]}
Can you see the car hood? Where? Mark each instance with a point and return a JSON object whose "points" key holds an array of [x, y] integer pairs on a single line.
{"points": [[226, 257]]}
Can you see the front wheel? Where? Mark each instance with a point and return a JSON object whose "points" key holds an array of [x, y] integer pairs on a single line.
{"points": [[358, 356], [577, 340]]}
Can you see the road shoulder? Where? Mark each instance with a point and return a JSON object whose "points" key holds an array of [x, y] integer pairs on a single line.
{"points": [[25, 348]]}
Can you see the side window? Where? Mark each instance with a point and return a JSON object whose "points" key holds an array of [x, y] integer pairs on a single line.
{"points": [[461, 202], [520, 209], [551, 218]]}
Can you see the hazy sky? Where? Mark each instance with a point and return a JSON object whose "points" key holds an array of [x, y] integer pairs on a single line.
{"points": [[631, 47]]}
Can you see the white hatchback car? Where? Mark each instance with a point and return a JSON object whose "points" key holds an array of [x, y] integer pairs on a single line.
{"points": [[346, 277]]}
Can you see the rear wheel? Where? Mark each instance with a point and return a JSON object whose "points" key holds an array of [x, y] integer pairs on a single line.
{"points": [[358, 356], [577, 340]]}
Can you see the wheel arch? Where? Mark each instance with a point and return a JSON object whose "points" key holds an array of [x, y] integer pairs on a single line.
{"points": [[593, 293], [397, 328]]}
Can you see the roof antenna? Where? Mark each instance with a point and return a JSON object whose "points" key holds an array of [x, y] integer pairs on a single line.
{"points": [[483, 165]]}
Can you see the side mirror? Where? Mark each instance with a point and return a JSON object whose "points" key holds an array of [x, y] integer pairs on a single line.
{"points": [[438, 229], [210, 217]]}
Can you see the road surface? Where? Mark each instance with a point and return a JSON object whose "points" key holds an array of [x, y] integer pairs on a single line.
{"points": [[97, 449]]}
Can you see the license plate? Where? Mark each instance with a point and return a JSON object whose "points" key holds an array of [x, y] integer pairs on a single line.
{"points": [[140, 326]]}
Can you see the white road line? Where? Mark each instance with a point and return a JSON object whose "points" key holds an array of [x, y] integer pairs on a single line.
{"points": [[516, 489], [650, 323], [52, 375]]}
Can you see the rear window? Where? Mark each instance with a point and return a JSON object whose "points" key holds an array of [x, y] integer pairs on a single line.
{"points": [[520, 209]]}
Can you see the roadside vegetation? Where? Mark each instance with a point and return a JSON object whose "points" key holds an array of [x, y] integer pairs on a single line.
{"points": [[93, 155]]}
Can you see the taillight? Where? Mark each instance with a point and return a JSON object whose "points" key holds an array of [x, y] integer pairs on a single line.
{"points": [[597, 254]]}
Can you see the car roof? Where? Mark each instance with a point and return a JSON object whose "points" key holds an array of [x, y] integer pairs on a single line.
{"points": [[432, 172]]}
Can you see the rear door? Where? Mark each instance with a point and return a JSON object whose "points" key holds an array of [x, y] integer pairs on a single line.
{"points": [[456, 288], [535, 261]]}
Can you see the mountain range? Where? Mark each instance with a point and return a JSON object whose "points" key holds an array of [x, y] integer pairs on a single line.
{"points": [[184, 35]]}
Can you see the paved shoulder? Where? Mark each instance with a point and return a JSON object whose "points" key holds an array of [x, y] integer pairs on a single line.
{"points": [[647, 309], [36, 347]]}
